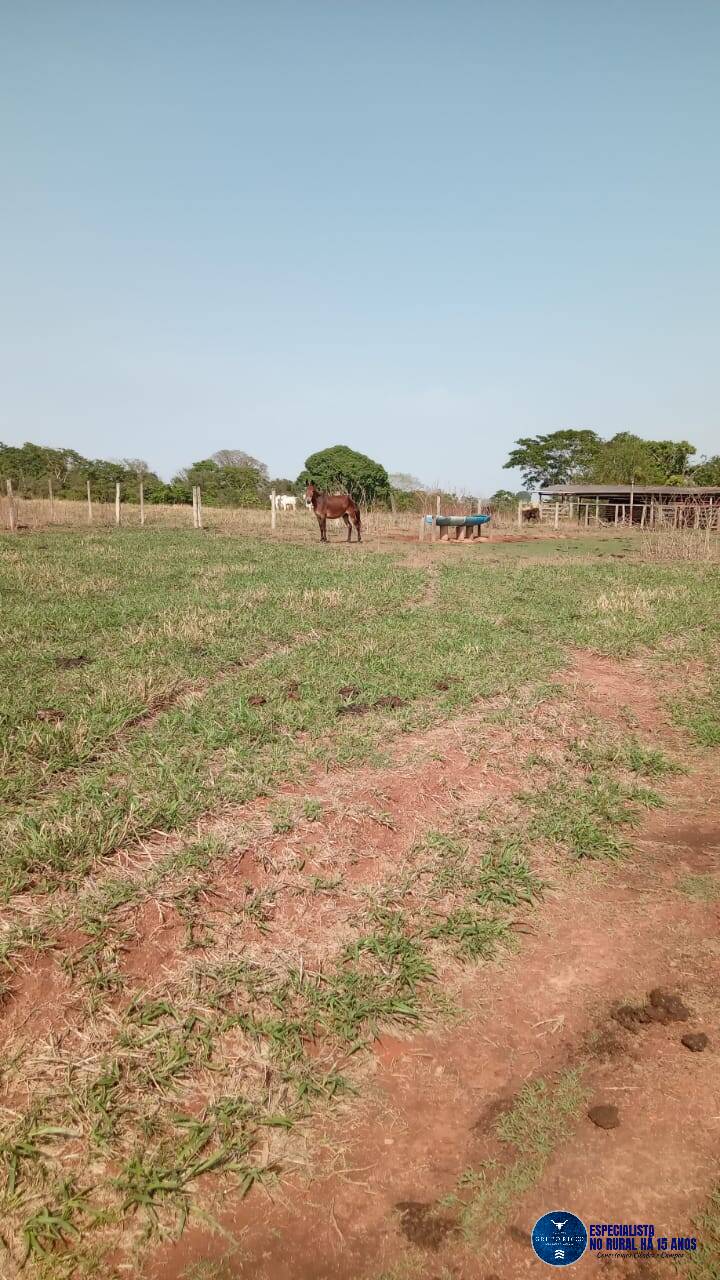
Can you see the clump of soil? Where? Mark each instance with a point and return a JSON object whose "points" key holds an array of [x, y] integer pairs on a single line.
{"points": [[50, 715], [606, 1043], [353, 709], [604, 1115], [695, 1041], [257, 700], [490, 1114], [630, 1016], [69, 661], [349, 691], [292, 691], [422, 1224], [520, 1237], [445, 684], [666, 1006], [390, 700], [661, 1006]]}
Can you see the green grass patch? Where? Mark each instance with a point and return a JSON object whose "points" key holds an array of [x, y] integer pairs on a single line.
{"points": [[700, 887], [587, 818], [539, 1121], [704, 1264]]}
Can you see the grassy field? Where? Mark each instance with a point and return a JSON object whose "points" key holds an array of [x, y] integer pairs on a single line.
{"points": [[170, 701]]}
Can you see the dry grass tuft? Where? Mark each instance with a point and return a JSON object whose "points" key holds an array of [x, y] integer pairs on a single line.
{"points": [[696, 545]]}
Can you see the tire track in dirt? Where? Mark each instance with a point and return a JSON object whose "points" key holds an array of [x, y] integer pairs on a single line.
{"points": [[605, 937]]}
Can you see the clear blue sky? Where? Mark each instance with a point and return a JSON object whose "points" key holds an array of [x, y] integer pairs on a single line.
{"points": [[418, 227]]}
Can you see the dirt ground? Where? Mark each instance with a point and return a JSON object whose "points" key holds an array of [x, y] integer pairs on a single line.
{"points": [[616, 968]]}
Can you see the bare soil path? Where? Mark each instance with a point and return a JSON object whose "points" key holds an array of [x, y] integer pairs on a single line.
{"points": [[387, 1195]]}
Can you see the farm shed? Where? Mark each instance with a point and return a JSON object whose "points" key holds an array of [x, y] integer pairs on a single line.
{"points": [[625, 504]]}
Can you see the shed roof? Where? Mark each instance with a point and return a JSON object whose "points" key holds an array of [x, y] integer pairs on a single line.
{"points": [[625, 490]]}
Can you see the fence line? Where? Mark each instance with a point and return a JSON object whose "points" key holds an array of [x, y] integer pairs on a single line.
{"points": [[651, 515], [91, 512]]}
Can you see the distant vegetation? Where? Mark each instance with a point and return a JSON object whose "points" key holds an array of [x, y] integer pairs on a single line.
{"points": [[565, 457], [229, 478], [234, 478]]}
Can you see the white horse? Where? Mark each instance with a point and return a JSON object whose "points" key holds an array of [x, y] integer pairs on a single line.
{"points": [[285, 502]]}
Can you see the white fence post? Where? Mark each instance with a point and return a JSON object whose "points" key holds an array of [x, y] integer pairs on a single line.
{"points": [[273, 511], [89, 503], [11, 506], [117, 502]]}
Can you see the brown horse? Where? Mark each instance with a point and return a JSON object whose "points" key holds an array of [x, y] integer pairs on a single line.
{"points": [[333, 506]]}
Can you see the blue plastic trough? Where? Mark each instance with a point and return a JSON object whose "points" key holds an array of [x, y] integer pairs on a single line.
{"points": [[464, 526]]}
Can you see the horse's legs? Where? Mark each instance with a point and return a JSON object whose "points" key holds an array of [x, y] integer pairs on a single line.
{"points": [[322, 521], [356, 522], [348, 525]]}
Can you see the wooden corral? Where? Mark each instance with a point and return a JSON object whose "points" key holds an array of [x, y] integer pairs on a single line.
{"points": [[649, 506]]}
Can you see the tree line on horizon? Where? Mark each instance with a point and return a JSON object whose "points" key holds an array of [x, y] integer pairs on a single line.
{"points": [[229, 478], [234, 478], [572, 456]]}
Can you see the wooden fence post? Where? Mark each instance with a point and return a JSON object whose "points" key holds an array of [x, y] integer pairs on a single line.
{"points": [[89, 502], [597, 510], [643, 514], [142, 504], [199, 508], [273, 512], [587, 515], [616, 514], [519, 515], [11, 506], [52, 500], [557, 514], [117, 502]]}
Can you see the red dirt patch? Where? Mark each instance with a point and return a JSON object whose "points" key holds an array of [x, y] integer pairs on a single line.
{"points": [[38, 1001], [602, 940], [618, 691], [158, 935]]}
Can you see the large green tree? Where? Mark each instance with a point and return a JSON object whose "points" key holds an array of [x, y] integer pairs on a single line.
{"points": [[557, 458], [226, 485], [707, 471], [626, 458], [343, 469]]}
